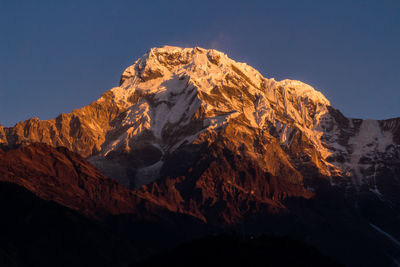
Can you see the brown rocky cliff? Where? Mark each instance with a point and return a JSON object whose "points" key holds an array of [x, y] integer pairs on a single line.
{"points": [[66, 178], [82, 131], [228, 175], [212, 181], [3, 139]]}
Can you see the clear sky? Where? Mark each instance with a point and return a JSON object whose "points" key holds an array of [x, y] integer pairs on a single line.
{"points": [[59, 55]]}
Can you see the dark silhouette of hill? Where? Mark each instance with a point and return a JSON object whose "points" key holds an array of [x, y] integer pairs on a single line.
{"points": [[233, 250]]}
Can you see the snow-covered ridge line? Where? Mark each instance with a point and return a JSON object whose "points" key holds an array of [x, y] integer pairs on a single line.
{"points": [[161, 62], [166, 72]]}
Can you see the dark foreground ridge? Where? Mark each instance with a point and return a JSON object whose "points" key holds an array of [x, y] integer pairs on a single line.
{"points": [[235, 251], [35, 232]]}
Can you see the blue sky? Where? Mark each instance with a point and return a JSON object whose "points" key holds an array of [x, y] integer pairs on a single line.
{"points": [[59, 55]]}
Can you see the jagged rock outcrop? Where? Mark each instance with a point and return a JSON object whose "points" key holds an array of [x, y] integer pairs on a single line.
{"points": [[3, 138], [83, 130], [60, 175], [221, 180]]}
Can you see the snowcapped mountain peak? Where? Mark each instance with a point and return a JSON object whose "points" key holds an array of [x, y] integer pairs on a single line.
{"points": [[304, 90], [171, 97], [194, 61], [177, 94], [204, 68]]}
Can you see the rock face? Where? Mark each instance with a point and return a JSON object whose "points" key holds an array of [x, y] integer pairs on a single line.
{"points": [[3, 139], [83, 130], [62, 176]]}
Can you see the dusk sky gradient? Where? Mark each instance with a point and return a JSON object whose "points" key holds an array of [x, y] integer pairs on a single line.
{"points": [[56, 56]]}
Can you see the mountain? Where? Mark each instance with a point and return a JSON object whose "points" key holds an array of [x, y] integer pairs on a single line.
{"points": [[173, 96], [192, 132], [35, 232], [195, 112]]}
